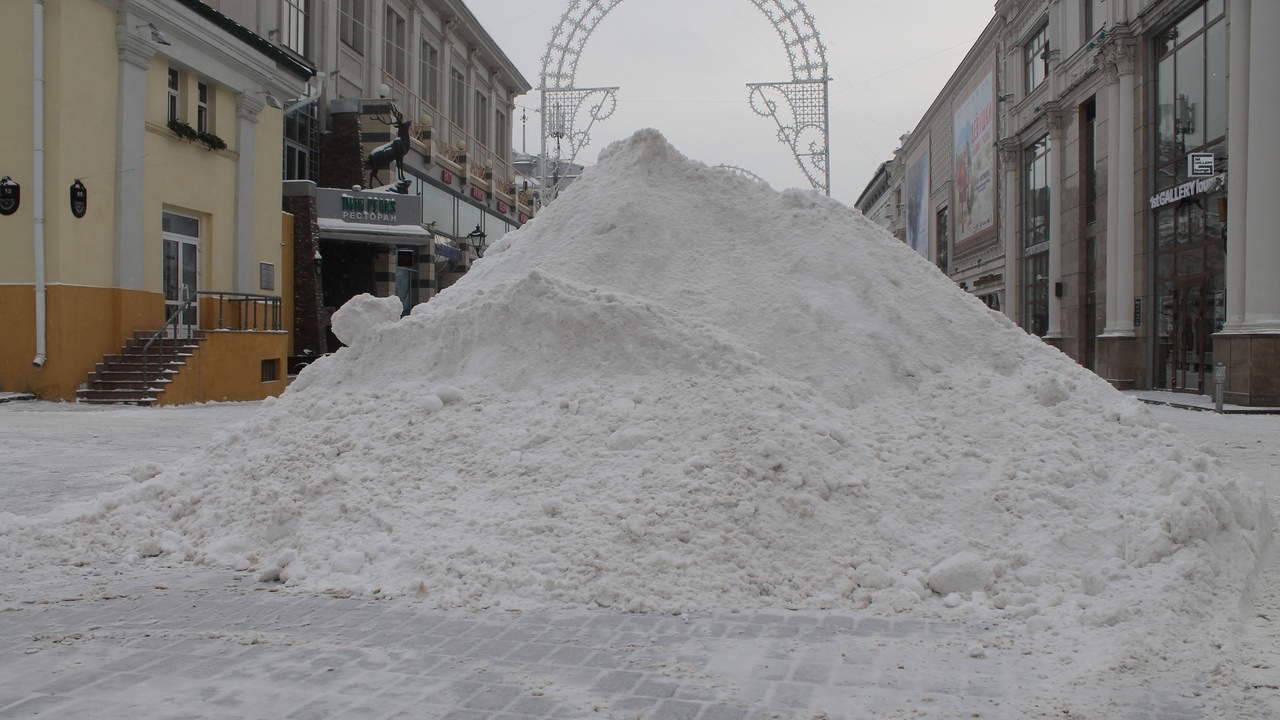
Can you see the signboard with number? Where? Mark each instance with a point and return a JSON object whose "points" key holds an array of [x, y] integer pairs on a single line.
{"points": [[1200, 165]]}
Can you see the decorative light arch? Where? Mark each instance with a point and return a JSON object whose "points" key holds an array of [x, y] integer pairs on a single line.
{"points": [[800, 107]]}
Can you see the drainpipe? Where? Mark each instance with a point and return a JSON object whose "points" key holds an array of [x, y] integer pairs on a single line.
{"points": [[37, 179]]}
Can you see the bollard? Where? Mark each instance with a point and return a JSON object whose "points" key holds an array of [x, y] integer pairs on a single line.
{"points": [[1219, 383]]}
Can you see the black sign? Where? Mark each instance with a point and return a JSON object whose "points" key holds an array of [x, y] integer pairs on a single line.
{"points": [[1137, 312], [10, 196], [79, 199]]}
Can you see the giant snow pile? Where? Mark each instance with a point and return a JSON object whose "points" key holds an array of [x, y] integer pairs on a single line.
{"points": [[679, 390]]}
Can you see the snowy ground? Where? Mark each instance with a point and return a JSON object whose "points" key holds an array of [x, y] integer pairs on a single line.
{"points": [[152, 640]]}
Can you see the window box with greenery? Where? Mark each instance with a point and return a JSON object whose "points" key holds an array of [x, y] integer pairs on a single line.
{"points": [[190, 134]]}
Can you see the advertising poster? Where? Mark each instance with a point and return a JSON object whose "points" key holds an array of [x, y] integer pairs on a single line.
{"points": [[975, 160], [918, 199]]}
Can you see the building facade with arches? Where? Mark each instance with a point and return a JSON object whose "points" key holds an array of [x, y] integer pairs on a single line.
{"points": [[1096, 189]]}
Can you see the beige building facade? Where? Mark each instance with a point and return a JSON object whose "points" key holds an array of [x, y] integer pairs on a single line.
{"points": [[144, 167]]}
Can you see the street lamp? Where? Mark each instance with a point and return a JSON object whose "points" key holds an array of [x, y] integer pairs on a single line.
{"points": [[476, 238]]}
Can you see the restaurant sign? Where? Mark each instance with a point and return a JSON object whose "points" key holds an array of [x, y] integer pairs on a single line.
{"points": [[369, 208]]}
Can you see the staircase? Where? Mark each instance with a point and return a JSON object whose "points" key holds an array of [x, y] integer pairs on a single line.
{"points": [[118, 378]]}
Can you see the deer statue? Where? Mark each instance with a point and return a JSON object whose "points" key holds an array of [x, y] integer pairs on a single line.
{"points": [[394, 151]]}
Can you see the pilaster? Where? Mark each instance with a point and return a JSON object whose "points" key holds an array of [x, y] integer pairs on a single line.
{"points": [[135, 53], [247, 109]]}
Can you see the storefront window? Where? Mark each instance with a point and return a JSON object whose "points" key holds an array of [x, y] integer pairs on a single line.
{"points": [[1189, 232]]}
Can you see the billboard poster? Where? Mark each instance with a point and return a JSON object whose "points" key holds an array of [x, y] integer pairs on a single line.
{"points": [[918, 199], [975, 160]]}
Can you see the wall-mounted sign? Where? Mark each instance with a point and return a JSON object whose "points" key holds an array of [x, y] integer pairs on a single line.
{"points": [[1200, 165], [79, 199], [1188, 189], [503, 207], [523, 218], [477, 194], [368, 208], [10, 196], [446, 176], [1137, 312]]}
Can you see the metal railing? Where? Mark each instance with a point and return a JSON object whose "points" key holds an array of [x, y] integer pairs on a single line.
{"points": [[251, 313], [247, 310], [172, 321]]}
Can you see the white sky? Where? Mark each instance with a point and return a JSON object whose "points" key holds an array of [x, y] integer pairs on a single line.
{"points": [[683, 67]]}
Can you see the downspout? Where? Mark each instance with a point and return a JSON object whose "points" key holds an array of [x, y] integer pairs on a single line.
{"points": [[37, 180]]}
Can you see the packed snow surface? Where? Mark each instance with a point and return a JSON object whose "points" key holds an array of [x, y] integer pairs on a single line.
{"points": [[679, 390]]}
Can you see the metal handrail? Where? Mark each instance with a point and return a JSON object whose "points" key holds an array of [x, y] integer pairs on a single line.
{"points": [[173, 320], [247, 307]]}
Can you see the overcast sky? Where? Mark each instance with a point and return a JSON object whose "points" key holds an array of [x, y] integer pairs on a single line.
{"points": [[683, 66]]}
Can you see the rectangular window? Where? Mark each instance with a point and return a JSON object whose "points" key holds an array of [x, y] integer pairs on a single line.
{"points": [[351, 24], [270, 370], [944, 245], [1035, 238], [175, 97], [1095, 17], [429, 77], [394, 54], [502, 139], [294, 25], [202, 107], [457, 98], [300, 144], [1089, 159], [482, 120], [1035, 56]]}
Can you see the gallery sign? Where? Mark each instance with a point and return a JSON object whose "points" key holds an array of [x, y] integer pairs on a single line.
{"points": [[1200, 165], [369, 208], [1190, 188]]}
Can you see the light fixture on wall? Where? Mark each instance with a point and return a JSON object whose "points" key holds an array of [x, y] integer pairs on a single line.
{"points": [[271, 100], [156, 36]]}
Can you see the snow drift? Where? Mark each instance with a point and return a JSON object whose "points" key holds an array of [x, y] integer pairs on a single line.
{"points": [[679, 390]]}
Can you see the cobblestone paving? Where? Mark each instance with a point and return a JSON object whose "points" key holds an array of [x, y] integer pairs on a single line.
{"points": [[202, 645]]}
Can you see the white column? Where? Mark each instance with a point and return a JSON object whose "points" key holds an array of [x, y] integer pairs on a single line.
{"points": [[1113, 198], [131, 135], [243, 251], [1238, 154], [1262, 221]]}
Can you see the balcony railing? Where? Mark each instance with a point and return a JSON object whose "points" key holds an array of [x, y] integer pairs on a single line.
{"points": [[440, 137]]}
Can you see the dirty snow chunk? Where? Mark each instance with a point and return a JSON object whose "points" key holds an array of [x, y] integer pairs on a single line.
{"points": [[964, 572], [354, 322]]}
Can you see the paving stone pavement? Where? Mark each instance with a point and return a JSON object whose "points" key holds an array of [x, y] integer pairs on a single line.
{"points": [[201, 644]]}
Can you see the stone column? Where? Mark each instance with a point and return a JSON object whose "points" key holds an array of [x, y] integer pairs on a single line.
{"points": [[1124, 268], [1053, 119], [1011, 157], [1262, 219], [243, 250], [131, 130], [1113, 197], [1238, 157]]}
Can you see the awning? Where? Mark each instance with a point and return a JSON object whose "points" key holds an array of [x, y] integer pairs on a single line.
{"points": [[333, 229]]}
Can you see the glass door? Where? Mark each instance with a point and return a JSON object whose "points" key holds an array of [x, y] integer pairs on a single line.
{"points": [[181, 270]]}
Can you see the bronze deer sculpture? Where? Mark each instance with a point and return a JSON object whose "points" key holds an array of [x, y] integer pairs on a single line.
{"points": [[394, 151]]}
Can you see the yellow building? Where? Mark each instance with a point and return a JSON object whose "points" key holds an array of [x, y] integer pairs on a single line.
{"points": [[140, 146]]}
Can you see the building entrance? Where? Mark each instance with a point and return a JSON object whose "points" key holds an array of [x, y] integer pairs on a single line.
{"points": [[1190, 312]]}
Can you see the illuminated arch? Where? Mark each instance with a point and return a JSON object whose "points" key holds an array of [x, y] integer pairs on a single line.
{"points": [[799, 107]]}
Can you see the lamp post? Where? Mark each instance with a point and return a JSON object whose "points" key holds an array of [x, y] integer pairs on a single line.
{"points": [[476, 239]]}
